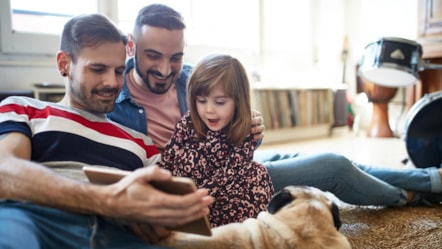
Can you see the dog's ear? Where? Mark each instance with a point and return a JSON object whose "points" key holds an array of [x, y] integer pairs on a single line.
{"points": [[336, 217], [279, 200]]}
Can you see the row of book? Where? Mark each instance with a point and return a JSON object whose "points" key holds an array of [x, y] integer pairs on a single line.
{"points": [[286, 108]]}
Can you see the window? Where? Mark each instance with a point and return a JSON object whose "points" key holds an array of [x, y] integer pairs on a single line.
{"points": [[288, 34], [128, 10], [265, 33], [41, 22], [227, 23], [262, 34]]}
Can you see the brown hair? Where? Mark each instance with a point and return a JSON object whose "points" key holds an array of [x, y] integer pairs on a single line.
{"points": [[88, 31], [160, 16], [223, 69]]}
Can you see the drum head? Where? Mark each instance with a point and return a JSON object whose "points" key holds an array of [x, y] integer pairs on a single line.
{"points": [[424, 131], [391, 62], [389, 76]]}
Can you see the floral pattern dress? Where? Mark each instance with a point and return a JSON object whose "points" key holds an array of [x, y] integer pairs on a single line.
{"points": [[241, 187]]}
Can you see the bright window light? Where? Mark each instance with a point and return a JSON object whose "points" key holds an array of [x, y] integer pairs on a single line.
{"points": [[227, 23], [46, 16]]}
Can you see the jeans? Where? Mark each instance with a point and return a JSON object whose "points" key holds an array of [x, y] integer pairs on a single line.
{"points": [[350, 182], [25, 225]]}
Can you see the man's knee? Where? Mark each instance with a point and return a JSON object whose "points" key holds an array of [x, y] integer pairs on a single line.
{"points": [[334, 161]]}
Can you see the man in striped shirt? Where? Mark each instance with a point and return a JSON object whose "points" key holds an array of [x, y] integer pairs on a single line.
{"points": [[45, 201]]}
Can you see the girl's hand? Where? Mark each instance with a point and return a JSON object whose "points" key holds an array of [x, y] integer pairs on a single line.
{"points": [[257, 129]]}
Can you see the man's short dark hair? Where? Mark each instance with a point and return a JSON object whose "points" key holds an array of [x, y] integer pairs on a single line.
{"points": [[88, 31], [160, 16]]}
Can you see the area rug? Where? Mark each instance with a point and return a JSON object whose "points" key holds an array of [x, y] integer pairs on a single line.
{"points": [[399, 227]]}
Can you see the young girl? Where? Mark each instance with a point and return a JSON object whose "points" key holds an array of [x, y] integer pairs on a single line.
{"points": [[212, 142]]}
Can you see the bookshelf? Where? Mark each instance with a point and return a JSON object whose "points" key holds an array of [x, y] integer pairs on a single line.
{"points": [[294, 113]]}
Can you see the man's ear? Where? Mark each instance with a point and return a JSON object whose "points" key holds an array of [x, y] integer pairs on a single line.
{"points": [[63, 63], [130, 47]]}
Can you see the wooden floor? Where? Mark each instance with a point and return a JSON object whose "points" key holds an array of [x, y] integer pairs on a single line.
{"points": [[387, 152]]}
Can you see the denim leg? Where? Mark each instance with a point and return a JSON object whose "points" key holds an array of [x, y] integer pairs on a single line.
{"points": [[15, 226], [419, 179], [330, 172], [32, 226], [24, 225]]}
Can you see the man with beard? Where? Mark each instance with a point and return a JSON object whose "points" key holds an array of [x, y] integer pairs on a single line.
{"points": [[154, 78], [45, 200], [153, 99]]}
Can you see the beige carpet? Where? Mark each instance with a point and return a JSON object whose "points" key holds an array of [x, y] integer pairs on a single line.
{"points": [[404, 228], [376, 227]]}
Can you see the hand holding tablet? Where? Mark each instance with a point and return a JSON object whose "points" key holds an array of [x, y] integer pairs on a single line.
{"points": [[177, 185]]}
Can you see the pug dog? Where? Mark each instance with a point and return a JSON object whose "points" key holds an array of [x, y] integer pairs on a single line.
{"points": [[298, 217]]}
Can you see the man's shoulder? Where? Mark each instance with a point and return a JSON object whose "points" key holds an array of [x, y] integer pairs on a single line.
{"points": [[25, 102], [185, 74], [187, 68]]}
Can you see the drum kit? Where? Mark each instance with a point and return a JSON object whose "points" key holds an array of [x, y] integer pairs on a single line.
{"points": [[394, 62]]}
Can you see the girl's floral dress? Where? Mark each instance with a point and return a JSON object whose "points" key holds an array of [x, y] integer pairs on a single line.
{"points": [[241, 187]]}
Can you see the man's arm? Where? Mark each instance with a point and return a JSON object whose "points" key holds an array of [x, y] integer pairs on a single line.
{"points": [[28, 181], [132, 198]]}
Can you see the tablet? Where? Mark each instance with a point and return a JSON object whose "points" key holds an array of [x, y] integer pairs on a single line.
{"points": [[177, 185]]}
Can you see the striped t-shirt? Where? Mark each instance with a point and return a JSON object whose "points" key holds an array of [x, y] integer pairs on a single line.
{"points": [[67, 138]]}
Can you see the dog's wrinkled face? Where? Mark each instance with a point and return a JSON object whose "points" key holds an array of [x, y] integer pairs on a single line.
{"points": [[294, 195]]}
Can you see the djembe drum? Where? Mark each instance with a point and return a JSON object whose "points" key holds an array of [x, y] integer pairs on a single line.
{"points": [[389, 62], [380, 96]]}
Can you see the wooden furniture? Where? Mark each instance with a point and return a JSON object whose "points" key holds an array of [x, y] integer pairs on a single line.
{"points": [[49, 92], [430, 37]]}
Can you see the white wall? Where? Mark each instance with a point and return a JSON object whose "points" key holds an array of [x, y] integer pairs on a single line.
{"points": [[21, 77]]}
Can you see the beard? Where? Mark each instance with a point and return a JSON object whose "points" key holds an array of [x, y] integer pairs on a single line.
{"points": [[157, 88], [83, 98]]}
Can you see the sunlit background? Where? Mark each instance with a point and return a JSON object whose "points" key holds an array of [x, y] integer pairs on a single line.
{"points": [[281, 42]]}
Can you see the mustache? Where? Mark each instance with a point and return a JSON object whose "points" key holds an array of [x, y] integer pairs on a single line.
{"points": [[159, 74], [106, 90]]}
